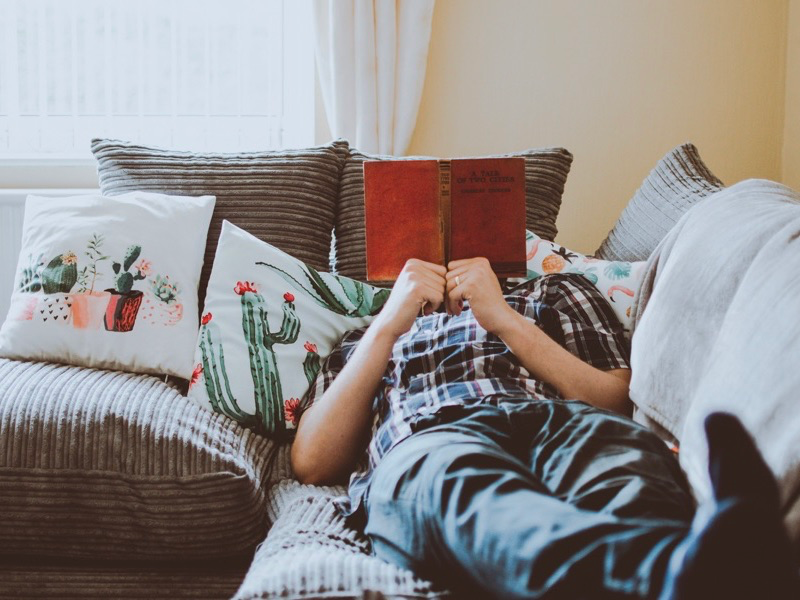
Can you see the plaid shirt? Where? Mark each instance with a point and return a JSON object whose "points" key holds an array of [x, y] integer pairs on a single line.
{"points": [[446, 360]]}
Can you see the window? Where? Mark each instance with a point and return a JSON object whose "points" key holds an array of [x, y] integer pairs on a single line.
{"points": [[221, 75]]}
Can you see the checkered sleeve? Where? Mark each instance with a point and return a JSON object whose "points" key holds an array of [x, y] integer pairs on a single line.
{"points": [[572, 311]]}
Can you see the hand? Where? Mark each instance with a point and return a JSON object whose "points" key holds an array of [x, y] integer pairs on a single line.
{"points": [[420, 286], [472, 279]]}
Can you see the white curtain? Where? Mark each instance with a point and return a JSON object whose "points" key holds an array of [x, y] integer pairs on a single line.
{"points": [[371, 57]]}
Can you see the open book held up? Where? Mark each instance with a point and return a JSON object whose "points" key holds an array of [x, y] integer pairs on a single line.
{"points": [[443, 210]]}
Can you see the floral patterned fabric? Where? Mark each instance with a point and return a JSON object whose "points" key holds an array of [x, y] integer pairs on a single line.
{"points": [[109, 282], [269, 320], [618, 281]]}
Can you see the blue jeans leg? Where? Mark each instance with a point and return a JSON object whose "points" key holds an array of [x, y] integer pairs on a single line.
{"points": [[453, 505]]}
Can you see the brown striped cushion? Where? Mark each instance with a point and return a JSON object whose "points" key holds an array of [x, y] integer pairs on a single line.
{"points": [[546, 171], [113, 465], [286, 197], [676, 183]]}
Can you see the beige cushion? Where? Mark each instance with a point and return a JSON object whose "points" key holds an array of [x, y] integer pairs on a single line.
{"points": [[676, 183], [546, 171], [284, 197], [113, 465]]}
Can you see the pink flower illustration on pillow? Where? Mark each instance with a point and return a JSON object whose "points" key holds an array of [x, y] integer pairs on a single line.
{"points": [[245, 286], [292, 409], [198, 371], [144, 267]]}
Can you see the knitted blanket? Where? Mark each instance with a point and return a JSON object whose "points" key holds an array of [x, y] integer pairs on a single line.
{"points": [[311, 553]]}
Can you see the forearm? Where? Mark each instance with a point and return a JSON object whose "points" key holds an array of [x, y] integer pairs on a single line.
{"points": [[332, 432], [548, 361]]}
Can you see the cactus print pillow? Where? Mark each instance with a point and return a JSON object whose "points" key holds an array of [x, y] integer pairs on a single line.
{"points": [[109, 282], [269, 320], [618, 281]]}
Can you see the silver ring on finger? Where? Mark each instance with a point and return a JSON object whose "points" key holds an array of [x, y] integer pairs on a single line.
{"points": [[458, 281]]}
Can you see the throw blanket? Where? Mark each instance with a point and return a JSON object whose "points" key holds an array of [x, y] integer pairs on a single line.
{"points": [[717, 327]]}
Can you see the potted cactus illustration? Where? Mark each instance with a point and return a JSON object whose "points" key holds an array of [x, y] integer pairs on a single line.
{"points": [[57, 280], [124, 303], [161, 303], [89, 306]]}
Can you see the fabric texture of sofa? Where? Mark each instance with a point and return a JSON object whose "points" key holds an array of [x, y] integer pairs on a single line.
{"points": [[115, 485]]}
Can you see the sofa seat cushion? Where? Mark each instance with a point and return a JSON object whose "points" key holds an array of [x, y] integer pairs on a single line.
{"points": [[114, 465], [311, 553]]}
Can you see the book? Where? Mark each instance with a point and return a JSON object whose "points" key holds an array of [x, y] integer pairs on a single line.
{"points": [[443, 210]]}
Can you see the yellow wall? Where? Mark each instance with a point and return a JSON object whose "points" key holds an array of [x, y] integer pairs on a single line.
{"points": [[791, 132], [617, 82]]}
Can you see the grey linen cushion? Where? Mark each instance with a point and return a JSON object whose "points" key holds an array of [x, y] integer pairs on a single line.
{"points": [[311, 553], [111, 465], [285, 197], [676, 183], [546, 171]]}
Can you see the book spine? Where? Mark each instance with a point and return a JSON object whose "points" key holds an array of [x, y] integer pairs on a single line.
{"points": [[444, 206]]}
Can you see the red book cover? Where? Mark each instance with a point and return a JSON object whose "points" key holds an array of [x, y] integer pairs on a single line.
{"points": [[487, 212], [442, 210]]}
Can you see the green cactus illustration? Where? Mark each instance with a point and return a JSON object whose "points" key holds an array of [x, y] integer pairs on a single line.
{"points": [[216, 376], [311, 365], [263, 363], [60, 274], [125, 279], [341, 295], [164, 289], [30, 278]]}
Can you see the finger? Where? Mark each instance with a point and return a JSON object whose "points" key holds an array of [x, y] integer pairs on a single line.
{"points": [[455, 303], [459, 272], [454, 264], [432, 298], [432, 279], [429, 266], [455, 296]]}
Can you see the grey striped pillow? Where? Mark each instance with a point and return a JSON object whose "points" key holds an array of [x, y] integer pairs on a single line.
{"points": [[285, 197], [678, 181], [546, 171]]}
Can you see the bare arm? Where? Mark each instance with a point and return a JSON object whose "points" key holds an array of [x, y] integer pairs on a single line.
{"points": [[542, 356], [333, 432]]}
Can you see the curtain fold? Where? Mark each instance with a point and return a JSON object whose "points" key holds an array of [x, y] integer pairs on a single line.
{"points": [[371, 57]]}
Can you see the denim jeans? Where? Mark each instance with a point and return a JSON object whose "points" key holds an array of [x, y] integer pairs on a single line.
{"points": [[551, 500]]}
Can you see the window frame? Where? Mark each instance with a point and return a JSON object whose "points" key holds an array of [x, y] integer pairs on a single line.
{"points": [[300, 97]]}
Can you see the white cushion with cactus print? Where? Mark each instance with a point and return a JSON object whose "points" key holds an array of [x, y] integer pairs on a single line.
{"points": [[109, 282], [269, 321], [618, 281]]}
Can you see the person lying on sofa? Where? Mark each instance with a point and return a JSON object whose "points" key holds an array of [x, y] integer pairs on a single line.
{"points": [[501, 461]]}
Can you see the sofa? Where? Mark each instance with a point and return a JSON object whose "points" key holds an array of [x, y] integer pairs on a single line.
{"points": [[116, 485]]}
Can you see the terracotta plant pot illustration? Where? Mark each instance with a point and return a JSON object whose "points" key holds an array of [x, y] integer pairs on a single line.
{"points": [[23, 307], [122, 310], [88, 309], [54, 308]]}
